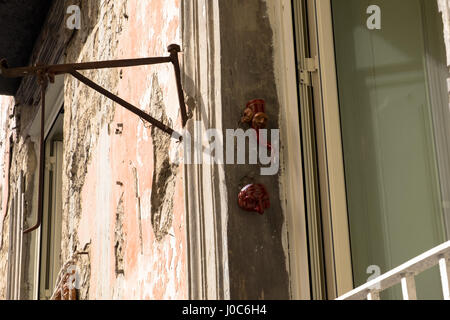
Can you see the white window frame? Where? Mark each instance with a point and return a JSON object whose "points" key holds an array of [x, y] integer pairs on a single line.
{"points": [[53, 163], [291, 181], [54, 101], [330, 264]]}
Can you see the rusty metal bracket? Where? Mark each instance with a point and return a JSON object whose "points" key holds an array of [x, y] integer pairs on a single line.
{"points": [[47, 73], [50, 71]]}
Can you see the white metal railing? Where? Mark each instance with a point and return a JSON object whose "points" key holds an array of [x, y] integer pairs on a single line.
{"points": [[405, 274]]}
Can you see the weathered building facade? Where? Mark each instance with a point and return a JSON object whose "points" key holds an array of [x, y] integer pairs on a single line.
{"points": [[129, 217], [123, 201], [131, 227]]}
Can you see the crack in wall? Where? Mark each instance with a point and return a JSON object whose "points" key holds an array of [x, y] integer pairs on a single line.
{"points": [[164, 173], [119, 238], [84, 265]]}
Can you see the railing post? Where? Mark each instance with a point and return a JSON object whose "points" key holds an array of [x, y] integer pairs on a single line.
{"points": [[373, 295], [409, 287], [405, 275], [444, 267]]}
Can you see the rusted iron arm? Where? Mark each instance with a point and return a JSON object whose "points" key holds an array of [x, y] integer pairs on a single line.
{"points": [[52, 70], [67, 68], [124, 104], [46, 73], [174, 49]]}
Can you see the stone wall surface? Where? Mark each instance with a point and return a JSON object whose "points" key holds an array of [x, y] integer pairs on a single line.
{"points": [[6, 104], [123, 199], [19, 159], [123, 202]]}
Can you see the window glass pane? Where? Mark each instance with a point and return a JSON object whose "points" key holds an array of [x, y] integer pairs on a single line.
{"points": [[389, 102]]}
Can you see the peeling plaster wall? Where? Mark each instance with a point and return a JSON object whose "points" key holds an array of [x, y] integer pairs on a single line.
{"points": [[20, 156], [6, 104], [123, 199]]}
